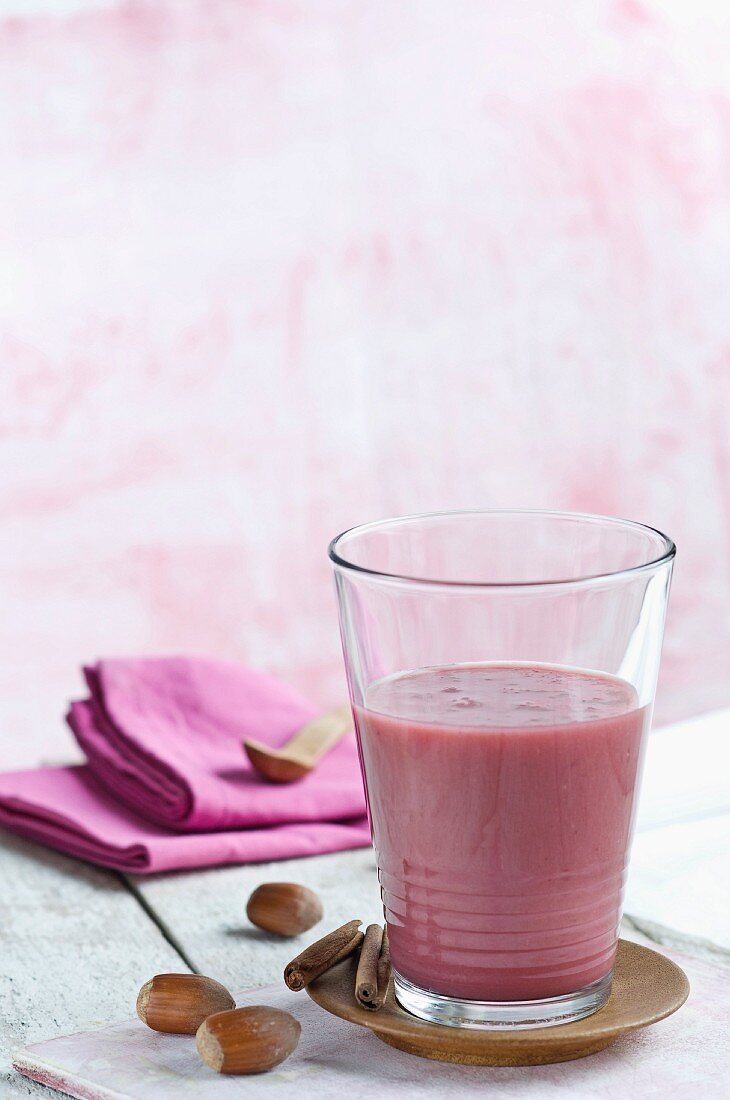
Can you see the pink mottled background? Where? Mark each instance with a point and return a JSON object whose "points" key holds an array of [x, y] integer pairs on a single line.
{"points": [[269, 269]]}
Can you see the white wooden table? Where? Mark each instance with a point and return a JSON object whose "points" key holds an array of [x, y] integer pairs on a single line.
{"points": [[76, 943]]}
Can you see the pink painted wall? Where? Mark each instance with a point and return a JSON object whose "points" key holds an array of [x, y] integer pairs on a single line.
{"points": [[273, 268]]}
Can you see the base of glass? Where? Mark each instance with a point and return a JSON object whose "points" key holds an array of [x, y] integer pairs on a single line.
{"points": [[517, 1015]]}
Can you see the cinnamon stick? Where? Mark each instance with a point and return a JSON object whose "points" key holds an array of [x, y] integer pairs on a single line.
{"points": [[384, 969], [323, 954], [366, 979], [373, 972]]}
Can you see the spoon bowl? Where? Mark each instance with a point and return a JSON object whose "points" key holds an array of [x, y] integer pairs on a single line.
{"points": [[302, 753]]}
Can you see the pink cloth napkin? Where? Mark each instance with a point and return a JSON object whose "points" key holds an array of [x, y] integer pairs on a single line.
{"points": [[65, 808], [168, 785], [165, 736]]}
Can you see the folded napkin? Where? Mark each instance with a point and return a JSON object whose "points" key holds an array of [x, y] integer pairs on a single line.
{"points": [[168, 785], [164, 735], [65, 808]]}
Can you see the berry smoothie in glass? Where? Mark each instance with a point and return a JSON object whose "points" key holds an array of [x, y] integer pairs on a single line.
{"points": [[502, 668]]}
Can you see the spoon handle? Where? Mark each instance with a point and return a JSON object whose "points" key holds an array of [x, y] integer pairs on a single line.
{"points": [[321, 734]]}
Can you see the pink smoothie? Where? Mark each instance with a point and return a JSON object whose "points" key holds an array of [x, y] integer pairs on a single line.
{"points": [[501, 802]]}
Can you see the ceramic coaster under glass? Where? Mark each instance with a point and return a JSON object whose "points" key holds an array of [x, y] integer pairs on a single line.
{"points": [[646, 988]]}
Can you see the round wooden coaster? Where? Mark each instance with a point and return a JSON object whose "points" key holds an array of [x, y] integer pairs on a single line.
{"points": [[646, 988]]}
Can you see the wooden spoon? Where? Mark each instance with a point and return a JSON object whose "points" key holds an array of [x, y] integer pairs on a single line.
{"points": [[304, 750]]}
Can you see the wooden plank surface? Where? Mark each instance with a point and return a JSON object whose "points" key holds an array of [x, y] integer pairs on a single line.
{"points": [[77, 942], [682, 1057], [75, 946], [206, 911]]}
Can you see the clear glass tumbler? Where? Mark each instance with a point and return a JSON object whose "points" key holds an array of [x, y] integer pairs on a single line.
{"points": [[502, 669]]}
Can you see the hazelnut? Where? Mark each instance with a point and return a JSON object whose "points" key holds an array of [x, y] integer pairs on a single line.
{"points": [[247, 1040], [178, 1003], [285, 908]]}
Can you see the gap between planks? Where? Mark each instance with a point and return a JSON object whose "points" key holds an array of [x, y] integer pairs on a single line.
{"points": [[157, 920]]}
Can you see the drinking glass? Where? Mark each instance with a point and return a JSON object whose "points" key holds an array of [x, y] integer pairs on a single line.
{"points": [[502, 668]]}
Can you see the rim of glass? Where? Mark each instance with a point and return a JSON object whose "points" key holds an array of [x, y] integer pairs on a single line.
{"points": [[590, 578]]}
